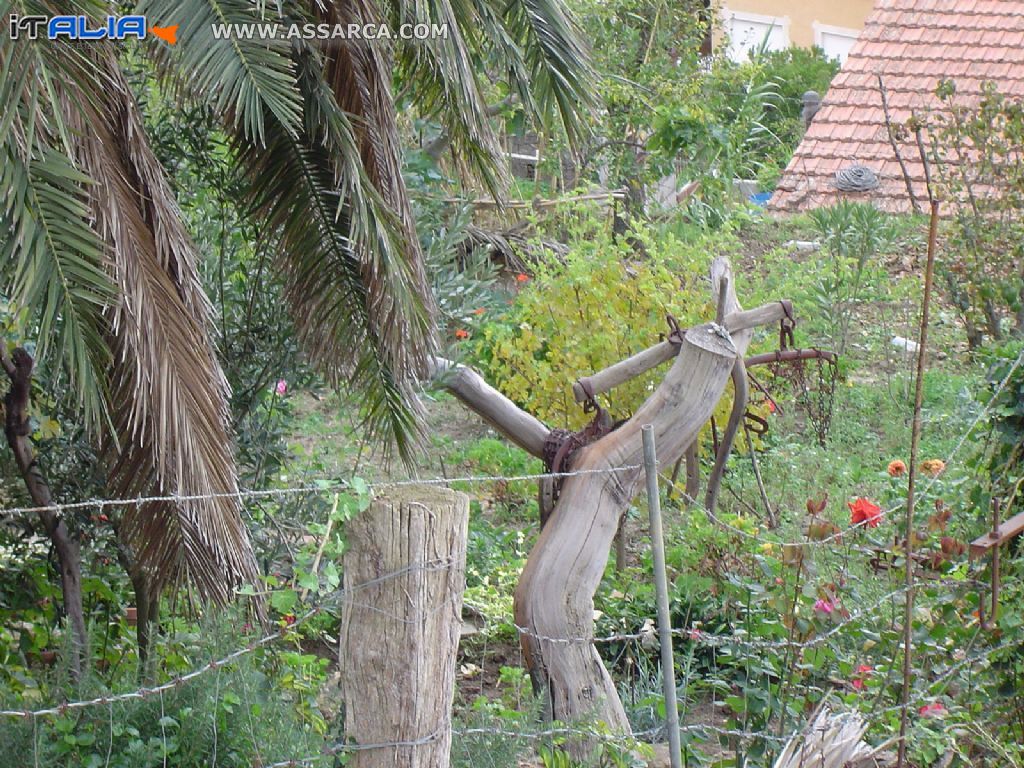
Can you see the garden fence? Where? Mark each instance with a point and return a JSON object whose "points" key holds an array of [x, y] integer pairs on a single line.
{"points": [[734, 643]]}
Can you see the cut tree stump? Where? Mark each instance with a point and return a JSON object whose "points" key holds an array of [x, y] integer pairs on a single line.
{"points": [[404, 575]]}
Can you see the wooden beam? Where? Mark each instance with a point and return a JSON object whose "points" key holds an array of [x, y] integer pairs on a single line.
{"points": [[468, 386], [763, 315], [1006, 531], [624, 370]]}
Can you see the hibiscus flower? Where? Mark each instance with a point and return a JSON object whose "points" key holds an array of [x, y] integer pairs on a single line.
{"points": [[935, 709], [863, 672]]}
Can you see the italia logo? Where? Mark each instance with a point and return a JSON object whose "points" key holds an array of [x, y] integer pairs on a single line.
{"points": [[82, 28]]}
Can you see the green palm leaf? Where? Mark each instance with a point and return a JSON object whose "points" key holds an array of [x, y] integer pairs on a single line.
{"points": [[556, 57], [51, 261], [245, 79], [353, 277]]}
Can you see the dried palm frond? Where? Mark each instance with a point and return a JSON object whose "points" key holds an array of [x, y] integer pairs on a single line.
{"points": [[832, 740], [167, 389]]}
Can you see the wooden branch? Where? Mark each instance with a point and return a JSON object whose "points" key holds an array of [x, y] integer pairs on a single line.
{"points": [[624, 370], [16, 429], [535, 204], [764, 315], [526, 431], [891, 132], [739, 406], [554, 598]]}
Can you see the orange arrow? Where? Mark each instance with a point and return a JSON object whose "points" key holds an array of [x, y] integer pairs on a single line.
{"points": [[167, 34]]}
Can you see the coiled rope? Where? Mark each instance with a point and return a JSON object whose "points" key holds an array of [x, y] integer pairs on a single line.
{"points": [[856, 178]]}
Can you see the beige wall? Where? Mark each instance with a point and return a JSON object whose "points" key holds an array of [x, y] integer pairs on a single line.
{"points": [[803, 13]]}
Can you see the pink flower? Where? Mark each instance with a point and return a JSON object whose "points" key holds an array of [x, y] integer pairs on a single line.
{"points": [[696, 635], [863, 672], [282, 386], [935, 709], [824, 606]]}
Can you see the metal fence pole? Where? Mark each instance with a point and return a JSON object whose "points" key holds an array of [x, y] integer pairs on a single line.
{"points": [[668, 669]]}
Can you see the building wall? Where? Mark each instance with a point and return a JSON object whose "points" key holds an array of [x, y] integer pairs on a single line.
{"points": [[799, 17]]}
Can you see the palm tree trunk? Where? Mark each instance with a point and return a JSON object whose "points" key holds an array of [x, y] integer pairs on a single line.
{"points": [[16, 428]]}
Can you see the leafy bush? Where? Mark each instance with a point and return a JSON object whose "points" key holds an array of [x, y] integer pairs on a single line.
{"points": [[597, 306], [743, 121], [242, 714]]}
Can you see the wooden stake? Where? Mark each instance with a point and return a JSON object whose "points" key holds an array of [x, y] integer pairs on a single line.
{"points": [[915, 438], [668, 668]]}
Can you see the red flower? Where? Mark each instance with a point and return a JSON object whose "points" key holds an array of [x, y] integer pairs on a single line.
{"points": [[771, 406], [864, 512], [289, 618], [863, 672], [462, 333], [522, 278], [935, 709], [479, 311], [696, 635]]}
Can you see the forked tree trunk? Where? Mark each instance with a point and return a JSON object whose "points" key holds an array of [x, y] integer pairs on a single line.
{"points": [[404, 579], [554, 599]]}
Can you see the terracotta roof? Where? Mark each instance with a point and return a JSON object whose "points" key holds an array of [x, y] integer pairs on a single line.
{"points": [[912, 44]]}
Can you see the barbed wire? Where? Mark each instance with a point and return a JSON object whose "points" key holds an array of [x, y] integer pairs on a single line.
{"points": [[144, 692], [636, 736], [736, 639], [322, 486]]}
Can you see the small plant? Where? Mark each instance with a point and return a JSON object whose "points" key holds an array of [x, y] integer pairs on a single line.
{"points": [[852, 234]]}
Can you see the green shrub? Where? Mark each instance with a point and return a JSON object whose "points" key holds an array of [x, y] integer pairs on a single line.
{"points": [[599, 305], [252, 711]]}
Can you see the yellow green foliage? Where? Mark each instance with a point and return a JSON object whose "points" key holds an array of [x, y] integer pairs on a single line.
{"points": [[599, 305]]}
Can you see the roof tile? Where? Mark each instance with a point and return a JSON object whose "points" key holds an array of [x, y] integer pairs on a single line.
{"points": [[912, 44]]}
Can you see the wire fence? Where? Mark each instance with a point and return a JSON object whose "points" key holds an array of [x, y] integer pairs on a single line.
{"points": [[738, 641]]}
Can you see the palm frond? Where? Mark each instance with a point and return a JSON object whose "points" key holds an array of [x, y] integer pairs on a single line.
{"points": [[168, 392], [247, 79], [51, 262], [353, 276], [441, 73], [557, 60]]}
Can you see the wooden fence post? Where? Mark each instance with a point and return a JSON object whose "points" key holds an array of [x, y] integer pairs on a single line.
{"points": [[404, 575]]}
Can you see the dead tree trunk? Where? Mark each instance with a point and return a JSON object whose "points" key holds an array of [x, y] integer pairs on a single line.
{"points": [[16, 429], [404, 579], [554, 599]]}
